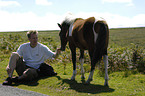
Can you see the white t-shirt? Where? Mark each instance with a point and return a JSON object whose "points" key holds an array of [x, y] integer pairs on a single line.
{"points": [[34, 56]]}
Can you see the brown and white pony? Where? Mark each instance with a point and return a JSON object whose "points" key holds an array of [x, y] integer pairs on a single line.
{"points": [[86, 34]]}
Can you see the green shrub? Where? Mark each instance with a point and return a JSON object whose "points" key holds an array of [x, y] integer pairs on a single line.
{"points": [[120, 58]]}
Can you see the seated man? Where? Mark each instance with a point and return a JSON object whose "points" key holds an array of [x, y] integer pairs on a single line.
{"points": [[34, 54]]}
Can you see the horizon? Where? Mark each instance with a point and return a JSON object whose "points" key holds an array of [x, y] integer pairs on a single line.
{"points": [[59, 30]]}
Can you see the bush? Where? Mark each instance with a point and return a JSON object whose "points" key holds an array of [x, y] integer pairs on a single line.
{"points": [[124, 59]]}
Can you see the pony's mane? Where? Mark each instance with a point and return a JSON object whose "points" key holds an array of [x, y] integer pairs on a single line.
{"points": [[71, 20], [68, 20]]}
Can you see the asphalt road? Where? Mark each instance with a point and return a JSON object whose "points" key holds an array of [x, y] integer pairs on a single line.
{"points": [[11, 91]]}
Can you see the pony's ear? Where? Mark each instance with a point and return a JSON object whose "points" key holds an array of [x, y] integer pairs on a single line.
{"points": [[59, 25]]}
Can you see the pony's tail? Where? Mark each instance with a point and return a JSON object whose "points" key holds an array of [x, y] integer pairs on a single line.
{"points": [[101, 42]]}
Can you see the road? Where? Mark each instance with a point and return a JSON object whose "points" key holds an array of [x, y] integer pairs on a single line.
{"points": [[11, 91]]}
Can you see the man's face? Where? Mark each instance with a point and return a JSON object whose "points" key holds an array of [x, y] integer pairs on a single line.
{"points": [[33, 40]]}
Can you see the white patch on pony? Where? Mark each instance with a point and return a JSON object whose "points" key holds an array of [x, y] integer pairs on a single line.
{"points": [[90, 78], [82, 68], [91, 75], [74, 74], [95, 34], [70, 29], [105, 60]]}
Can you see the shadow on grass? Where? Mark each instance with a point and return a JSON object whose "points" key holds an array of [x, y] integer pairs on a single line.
{"points": [[90, 88], [33, 82], [30, 83], [79, 87]]}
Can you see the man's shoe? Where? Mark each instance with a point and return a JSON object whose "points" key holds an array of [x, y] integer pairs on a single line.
{"points": [[54, 74], [8, 81]]}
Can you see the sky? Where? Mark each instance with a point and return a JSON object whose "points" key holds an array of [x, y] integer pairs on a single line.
{"points": [[23, 15]]}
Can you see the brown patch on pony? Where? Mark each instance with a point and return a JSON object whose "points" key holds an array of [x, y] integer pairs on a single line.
{"points": [[77, 34], [88, 31]]}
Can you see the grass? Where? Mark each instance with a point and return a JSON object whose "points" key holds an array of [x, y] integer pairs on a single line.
{"points": [[121, 83], [125, 36], [61, 85]]}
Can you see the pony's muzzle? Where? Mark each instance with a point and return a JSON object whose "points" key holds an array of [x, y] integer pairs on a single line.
{"points": [[62, 49]]}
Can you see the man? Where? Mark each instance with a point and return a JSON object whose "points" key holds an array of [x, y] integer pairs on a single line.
{"points": [[34, 54]]}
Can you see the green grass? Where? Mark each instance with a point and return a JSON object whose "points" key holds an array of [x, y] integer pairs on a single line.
{"points": [[121, 83]]}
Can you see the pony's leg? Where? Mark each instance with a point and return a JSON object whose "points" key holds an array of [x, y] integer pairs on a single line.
{"points": [[82, 68], [74, 75], [82, 62], [105, 60], [90, 78], [73, 51]]}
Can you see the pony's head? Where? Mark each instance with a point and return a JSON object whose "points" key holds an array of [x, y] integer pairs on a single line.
{"points": [[64, 28]]}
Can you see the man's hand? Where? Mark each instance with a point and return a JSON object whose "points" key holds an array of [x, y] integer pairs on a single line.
{"points": [[58, 51]]}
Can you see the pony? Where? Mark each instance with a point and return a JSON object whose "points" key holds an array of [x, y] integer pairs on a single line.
{"points": [[86, 34]]}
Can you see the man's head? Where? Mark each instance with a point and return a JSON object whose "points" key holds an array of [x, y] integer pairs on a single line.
{"points": [[33, 37]]}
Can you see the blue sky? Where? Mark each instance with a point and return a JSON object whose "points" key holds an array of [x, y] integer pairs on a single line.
{"points": [[21, 15]]}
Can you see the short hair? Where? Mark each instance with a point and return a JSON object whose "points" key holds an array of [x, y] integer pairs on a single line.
{"points": [[31, 32]]}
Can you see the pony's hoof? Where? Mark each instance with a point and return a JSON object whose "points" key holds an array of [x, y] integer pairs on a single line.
{"points": [[106, 84], [88, 81], [83, 77], [72, 79]]}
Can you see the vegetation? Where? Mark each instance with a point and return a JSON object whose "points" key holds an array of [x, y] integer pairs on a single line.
{"points": [[126, 65]]}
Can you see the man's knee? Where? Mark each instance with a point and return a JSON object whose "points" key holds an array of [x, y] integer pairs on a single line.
{"points": [[15, 55]]}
